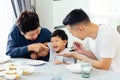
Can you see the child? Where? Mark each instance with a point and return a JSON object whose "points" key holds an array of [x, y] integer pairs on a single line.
{"points": [[59, 41]]}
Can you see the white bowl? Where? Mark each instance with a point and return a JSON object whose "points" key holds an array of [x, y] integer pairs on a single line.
{"points": [[12, 74], [75, 68], [26, 70], [11, 66], [4, 58], [2, 69]]}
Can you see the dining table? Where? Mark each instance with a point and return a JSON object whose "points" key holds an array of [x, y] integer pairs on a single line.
{"points": [[44, 72]]}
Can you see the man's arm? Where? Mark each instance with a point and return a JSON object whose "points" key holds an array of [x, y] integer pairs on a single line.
{"points": [[78, 47], [103, 63]]}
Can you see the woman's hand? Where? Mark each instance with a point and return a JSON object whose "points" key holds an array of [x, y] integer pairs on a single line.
{"points": [[33, 55], [36, 47], [40, 49], [44, 51]]}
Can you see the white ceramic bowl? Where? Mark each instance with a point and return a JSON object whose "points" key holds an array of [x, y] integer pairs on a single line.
{"points": [[12, 74], [75, 68], [26, 70], [4, 58], [11, 66], [2, 69]]}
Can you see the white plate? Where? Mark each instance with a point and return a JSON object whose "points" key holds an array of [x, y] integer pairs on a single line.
{"points": [[4, 58], [36, 62], [75, 68]]}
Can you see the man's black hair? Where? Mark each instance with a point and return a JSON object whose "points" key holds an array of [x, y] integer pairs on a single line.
{"points": [[61, 34], [28, 21], [75, 17]]}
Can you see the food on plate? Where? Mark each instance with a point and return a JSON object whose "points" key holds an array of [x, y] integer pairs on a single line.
{"points": [[26, 72], [13, 64], [2, 69], [17, 77], [26, 69], [12, 68], [12, 74]]}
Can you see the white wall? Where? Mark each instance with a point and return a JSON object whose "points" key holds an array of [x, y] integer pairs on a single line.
{"points": [[44, 10], [63, 7], [52, 13], [7, 19]]}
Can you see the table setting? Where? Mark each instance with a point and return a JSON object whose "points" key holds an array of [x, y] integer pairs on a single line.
{"points": [[29, 69]]}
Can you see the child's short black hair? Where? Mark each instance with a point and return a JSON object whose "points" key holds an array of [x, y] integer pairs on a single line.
{"points": [[61, 34]]}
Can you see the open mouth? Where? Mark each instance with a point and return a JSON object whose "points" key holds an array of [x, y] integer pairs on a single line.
{"points": [[55, 47]]}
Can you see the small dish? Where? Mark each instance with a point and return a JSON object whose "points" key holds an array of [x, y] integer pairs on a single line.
{"points": [[36, 62], [26, 70], [11, 66], [12, 74], [75, 68], [2, 69], [4, 58]]}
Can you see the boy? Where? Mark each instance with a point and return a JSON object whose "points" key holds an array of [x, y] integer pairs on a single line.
{"points": [[59, 41]]}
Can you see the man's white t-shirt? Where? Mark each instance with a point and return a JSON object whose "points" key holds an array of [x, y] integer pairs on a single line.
{"points": [[107, 45]]}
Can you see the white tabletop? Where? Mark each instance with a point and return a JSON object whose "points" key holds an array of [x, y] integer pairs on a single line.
{"points": [[43, 72]]}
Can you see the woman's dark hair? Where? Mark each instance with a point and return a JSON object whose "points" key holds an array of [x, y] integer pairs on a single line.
{"points": [[28, 21], [75, 17], [61, 34]]}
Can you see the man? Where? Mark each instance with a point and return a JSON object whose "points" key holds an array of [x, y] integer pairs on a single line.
{"points": [[104, 41], [27, 39]]}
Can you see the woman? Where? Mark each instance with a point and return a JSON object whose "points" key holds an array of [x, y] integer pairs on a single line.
{"points": [[27, 39]]}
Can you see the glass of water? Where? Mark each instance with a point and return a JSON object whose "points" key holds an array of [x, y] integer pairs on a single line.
{"points": [[86, 69], [56, 72], [57, 76]]}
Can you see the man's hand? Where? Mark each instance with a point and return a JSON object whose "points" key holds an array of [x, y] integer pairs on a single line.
{"points": [[78, 47], [69, 54], [57, 62]]}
